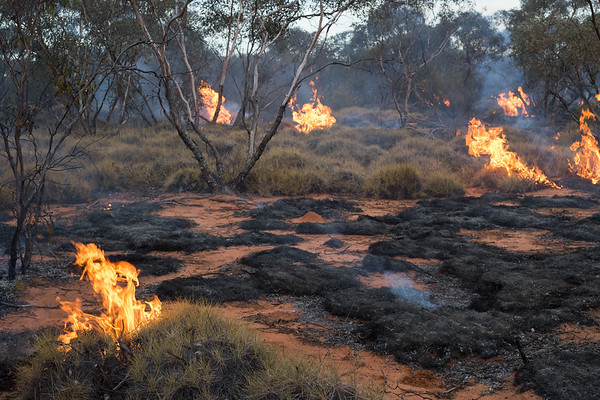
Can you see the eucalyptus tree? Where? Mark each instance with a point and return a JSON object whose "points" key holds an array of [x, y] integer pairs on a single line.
{"points": [[45, 91], [556, 43], [258, 25], [405, 37]]}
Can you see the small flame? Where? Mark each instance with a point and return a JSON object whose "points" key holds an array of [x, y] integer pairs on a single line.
{"points": [[586, 162], [492, 142], [313, 115], [511, 104], [115, 282], [598, 97], [209, 100]]}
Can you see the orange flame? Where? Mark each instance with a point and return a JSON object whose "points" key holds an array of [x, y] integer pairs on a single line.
{"points": [[598, 97], [492, 142], [115, 282], [586, 162], [209, 100], [511, 104], [313, 115]]}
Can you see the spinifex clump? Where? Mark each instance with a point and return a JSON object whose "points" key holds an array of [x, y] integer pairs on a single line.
{"points": [[115, 282]]}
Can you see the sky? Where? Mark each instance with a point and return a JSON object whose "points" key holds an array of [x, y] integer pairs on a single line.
{"points": [[486, 7]]}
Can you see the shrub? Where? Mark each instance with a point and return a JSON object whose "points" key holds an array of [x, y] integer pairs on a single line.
{"points": [[514, 184], [395, 181], [442, 184], [285, 172], [191, 352], [185, 179]]}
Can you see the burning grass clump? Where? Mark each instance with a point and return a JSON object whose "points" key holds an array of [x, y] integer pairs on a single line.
{"points": [[190, 353]]}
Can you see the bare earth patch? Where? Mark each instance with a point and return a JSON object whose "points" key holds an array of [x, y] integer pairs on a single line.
{"points": [[532, 241], [419, 239]]}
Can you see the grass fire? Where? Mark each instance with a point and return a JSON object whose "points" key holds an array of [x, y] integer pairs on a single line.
{"points": [[115, 283], [345, 200]]}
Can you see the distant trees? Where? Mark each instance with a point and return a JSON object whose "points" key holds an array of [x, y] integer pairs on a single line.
{"points": [[425, 56], [556, 43]]}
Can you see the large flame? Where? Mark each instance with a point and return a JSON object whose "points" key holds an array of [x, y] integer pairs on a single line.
{"points": [[586, 162], [313, 115], [209, 100], [115, 283], [492, 142], [514, 105]]}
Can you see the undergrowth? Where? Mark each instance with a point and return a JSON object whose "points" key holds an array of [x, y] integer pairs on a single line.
{"points": [[191, 352], [340, 160]]}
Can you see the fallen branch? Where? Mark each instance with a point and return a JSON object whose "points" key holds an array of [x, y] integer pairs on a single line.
{"points": [[27, 305]]}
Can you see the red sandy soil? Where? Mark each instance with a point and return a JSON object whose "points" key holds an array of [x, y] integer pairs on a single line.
{"points": [[277, 321], [529, 241]]}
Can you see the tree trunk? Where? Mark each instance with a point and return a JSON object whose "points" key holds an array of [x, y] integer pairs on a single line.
{"points": [[14, 250]]}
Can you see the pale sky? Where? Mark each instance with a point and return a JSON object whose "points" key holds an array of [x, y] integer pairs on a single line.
{"points": [[488, 7]]}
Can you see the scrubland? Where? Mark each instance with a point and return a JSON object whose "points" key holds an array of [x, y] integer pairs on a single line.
{"points": [[358, 161]]}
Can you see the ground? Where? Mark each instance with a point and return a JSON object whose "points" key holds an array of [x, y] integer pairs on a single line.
{"points": [[486, 296]]}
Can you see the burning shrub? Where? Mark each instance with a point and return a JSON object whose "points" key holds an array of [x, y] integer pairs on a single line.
{"points": [[395, 181], [189, 353]]}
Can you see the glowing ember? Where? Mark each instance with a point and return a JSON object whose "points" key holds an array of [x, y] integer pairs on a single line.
{"points": [[209, 100], [115, 282], [511, 104], [586, 162], [492, 142], [313, 115]]}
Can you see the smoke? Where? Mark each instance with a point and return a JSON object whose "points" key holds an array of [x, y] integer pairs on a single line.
{"points": [[404, 290]]}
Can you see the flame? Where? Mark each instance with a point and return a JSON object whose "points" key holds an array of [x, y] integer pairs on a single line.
{"points": [[492, 142], [115, 282], [209, 100], [511, 103], [313, 115], [598, 97], [438, 100], [586, 162]]}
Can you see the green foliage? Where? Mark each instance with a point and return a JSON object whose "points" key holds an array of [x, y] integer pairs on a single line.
{"points": [[555, 42], [190, 352], [394, 181]]}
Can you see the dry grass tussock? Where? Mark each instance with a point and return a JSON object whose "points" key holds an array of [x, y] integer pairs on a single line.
{"points": [[341, 160], [190, 353]]}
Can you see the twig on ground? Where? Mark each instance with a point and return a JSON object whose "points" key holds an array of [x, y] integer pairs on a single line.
{"points": [[27, 305]]}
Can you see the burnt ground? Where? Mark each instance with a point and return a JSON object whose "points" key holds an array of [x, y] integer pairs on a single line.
{"points": [[466, 308]]}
